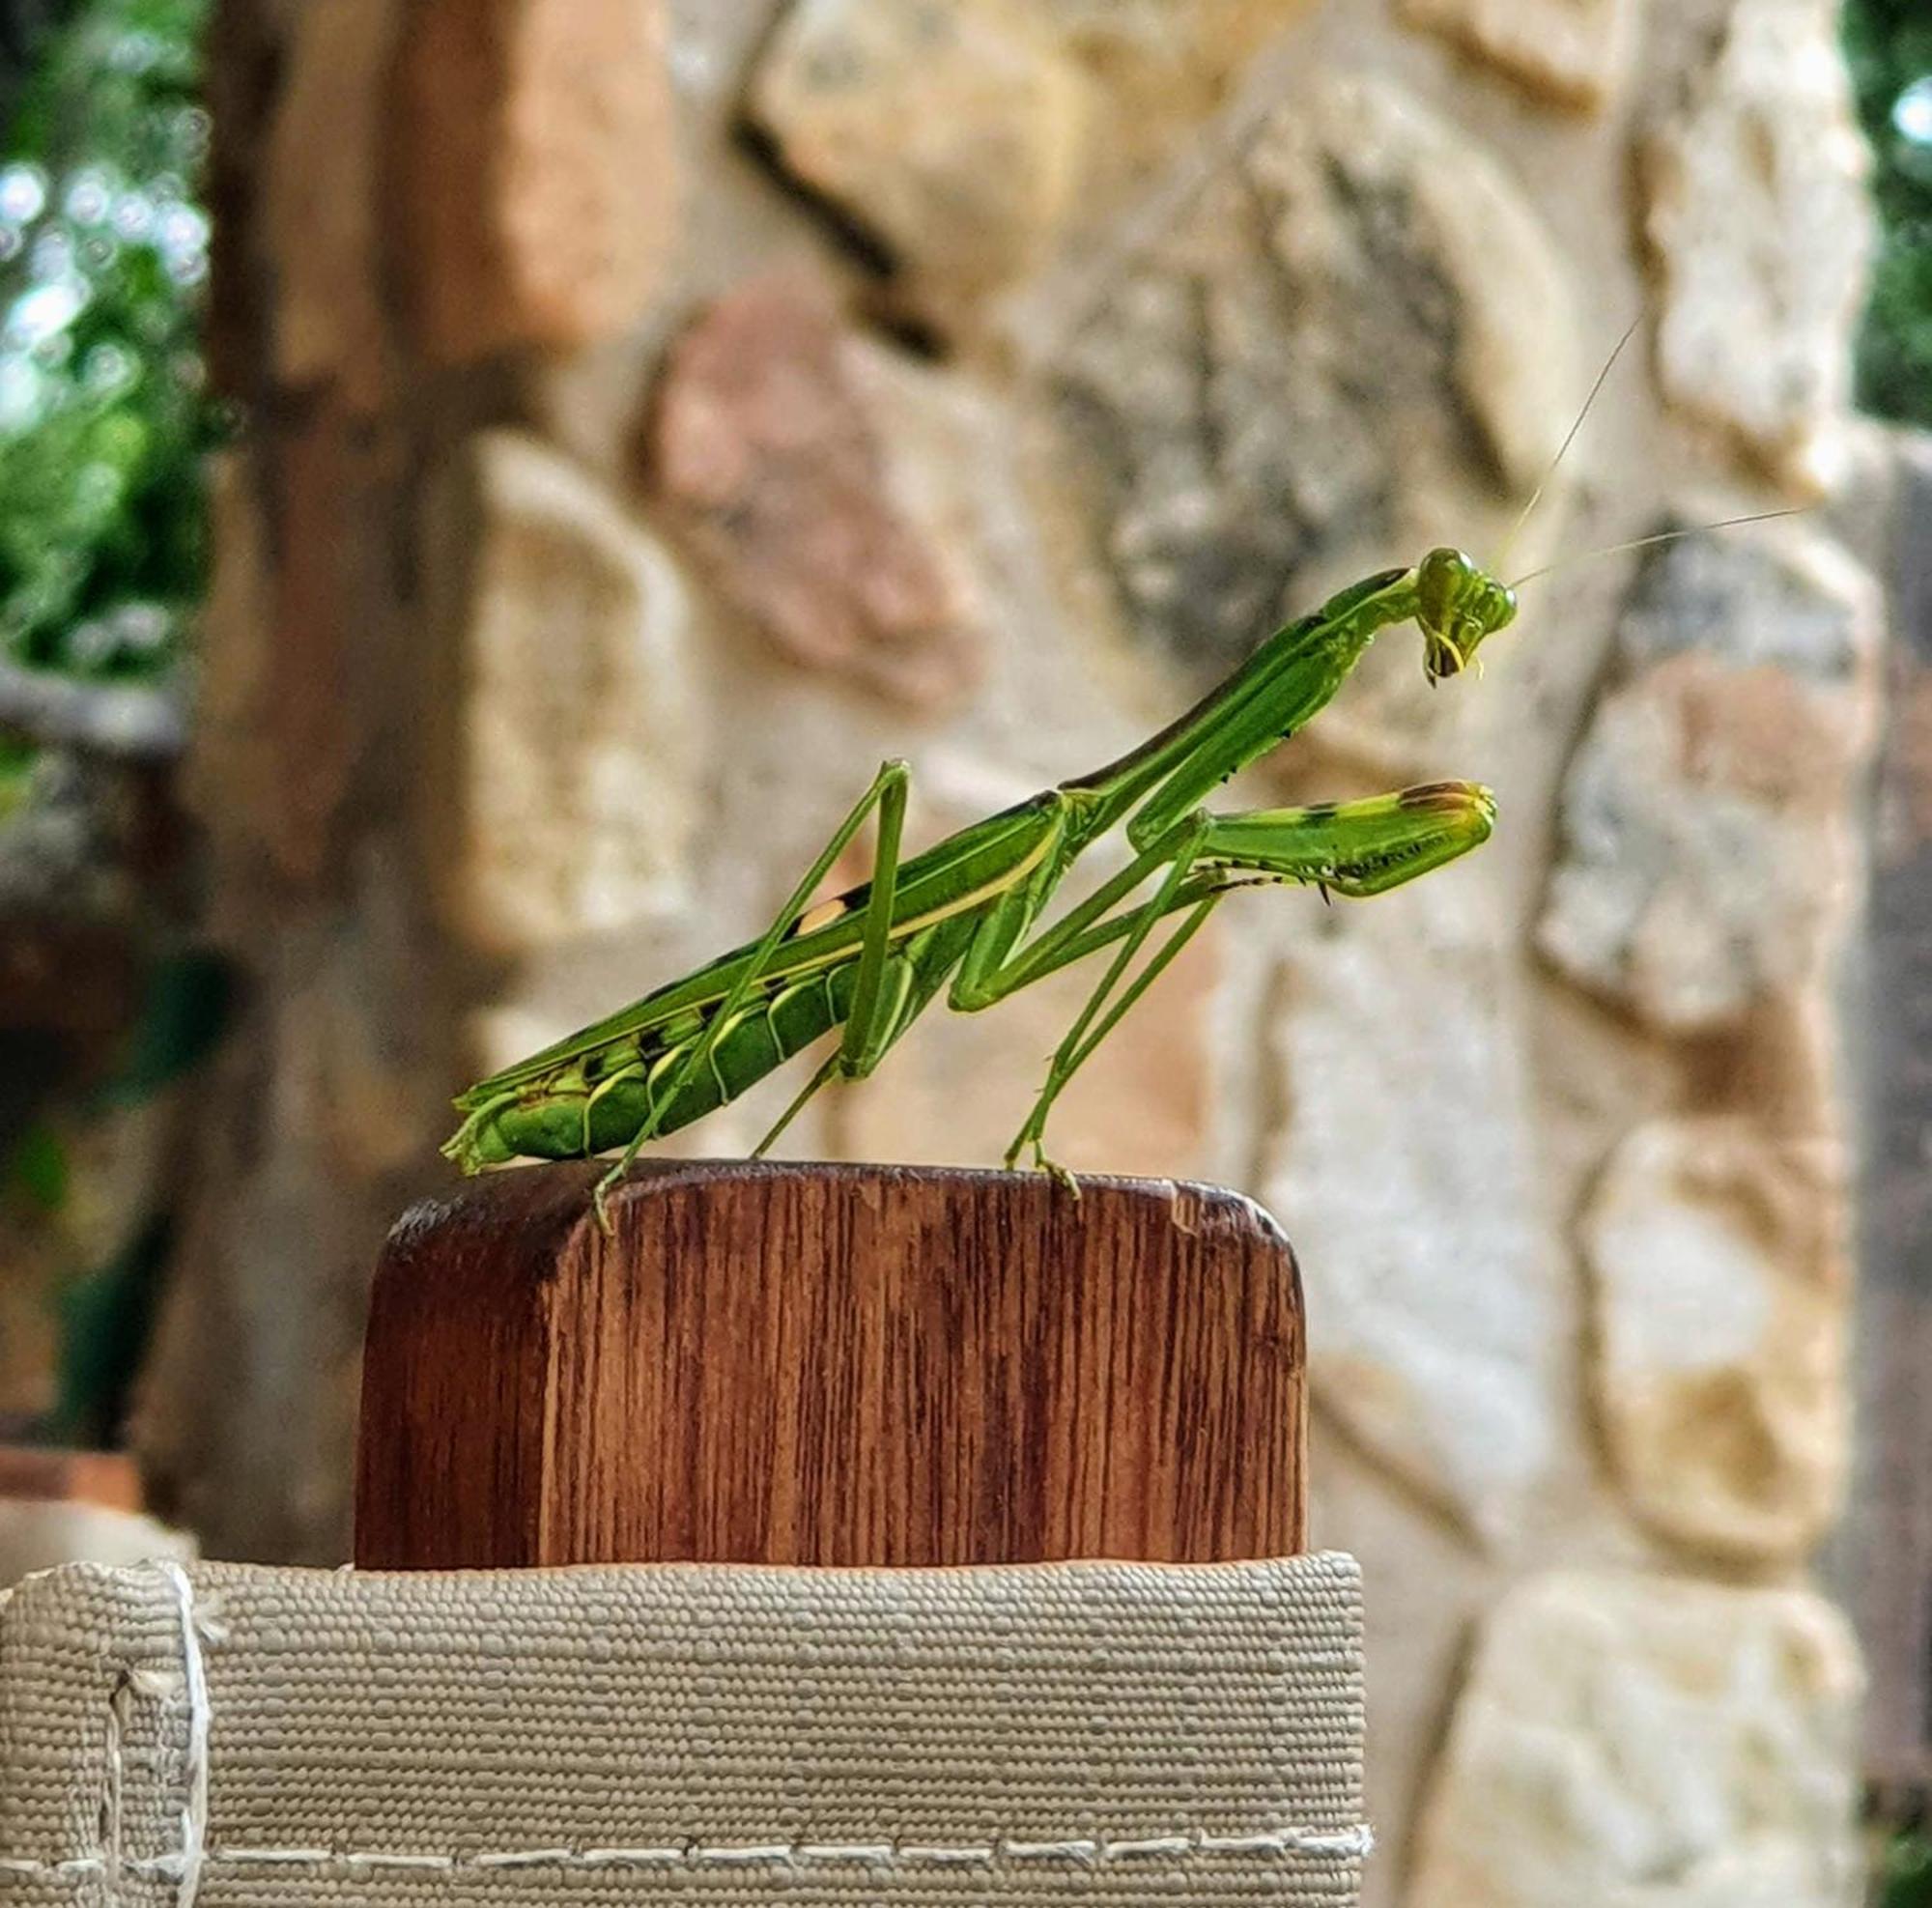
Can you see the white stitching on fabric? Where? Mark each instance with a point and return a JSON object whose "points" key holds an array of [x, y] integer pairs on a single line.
{"points": [[117, 1773], [187, 1863], [182, 1865], [1079, 1851]]}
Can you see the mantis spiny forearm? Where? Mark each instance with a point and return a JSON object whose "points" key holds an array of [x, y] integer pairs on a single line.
{"points": [[962, 916]]}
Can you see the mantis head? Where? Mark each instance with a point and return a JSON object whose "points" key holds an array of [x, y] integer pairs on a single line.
{"points": [[1458, 603]]}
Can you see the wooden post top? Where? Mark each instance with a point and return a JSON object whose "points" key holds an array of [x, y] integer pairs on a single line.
{"points": [[827, 1364]]}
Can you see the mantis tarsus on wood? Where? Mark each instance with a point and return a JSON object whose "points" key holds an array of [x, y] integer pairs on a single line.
{"points": [[961, 915]]}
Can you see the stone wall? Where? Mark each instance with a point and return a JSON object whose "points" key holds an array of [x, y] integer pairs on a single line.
{"points": [[657, 420]]}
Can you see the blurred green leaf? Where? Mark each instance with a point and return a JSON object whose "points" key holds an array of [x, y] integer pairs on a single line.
{"points": [[105, 1317], [1889, 49], [183, 1013], [1905, 1879], [39, 1169], [16, 770], [104, 421]]}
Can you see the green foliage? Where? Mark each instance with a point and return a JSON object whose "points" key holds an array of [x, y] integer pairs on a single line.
{"points": [[105, 1318], [1904, 1879], [106, 1310], [17, 768], [104, 417], [184, 1014], [38, 1170], [1888, 44]]}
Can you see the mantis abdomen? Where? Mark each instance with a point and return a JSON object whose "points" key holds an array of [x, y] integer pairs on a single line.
{"points": [[603, 1099], [600, 1101]]}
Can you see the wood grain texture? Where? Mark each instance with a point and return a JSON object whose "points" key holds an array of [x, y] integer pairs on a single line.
{"points": [[832, 1366]]}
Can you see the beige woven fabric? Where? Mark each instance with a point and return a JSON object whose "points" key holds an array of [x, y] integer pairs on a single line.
{"points": [[1109, 1733]]}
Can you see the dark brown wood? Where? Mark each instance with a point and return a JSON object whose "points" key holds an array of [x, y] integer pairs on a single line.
{"points": [[831, 1365]]}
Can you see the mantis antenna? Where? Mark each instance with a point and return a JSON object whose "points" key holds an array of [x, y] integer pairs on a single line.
{"points": [[1658, 536], [1563, 450]]}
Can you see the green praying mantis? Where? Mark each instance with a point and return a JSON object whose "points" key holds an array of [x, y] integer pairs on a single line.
{"points": [[965, 915], [962, 916]]}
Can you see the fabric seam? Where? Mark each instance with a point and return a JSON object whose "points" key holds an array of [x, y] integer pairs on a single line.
{"points": [[1078, 1851]]}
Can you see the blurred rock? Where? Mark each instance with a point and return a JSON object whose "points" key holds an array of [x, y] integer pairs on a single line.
{"points": [[1635, 1742], [1708, 839], [1757, 213], [68, 846], [75, 904], [1404, 1171], [283, 680], [1162, 65], [965, 136], [951, 132], [579, 742], [227, 775], [1717, 1256], [1356, 337], [1571, 52], [325, 203], [803, 474], [537, 170]]}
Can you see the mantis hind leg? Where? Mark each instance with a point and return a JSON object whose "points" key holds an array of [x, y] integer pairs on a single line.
{"points": [[888, 794], [885, 1019]]}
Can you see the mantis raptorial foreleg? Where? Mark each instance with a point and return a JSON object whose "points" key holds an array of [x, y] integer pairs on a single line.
{"points": [[888, 794], [992, 969], [1358, 847]]}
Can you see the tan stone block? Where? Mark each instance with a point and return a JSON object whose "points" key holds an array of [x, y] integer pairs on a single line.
{"points": [[1262, 405], [796, 471], [1758, 219], [954, 132], [1709, 849], [968, 136], [1406, 1168], [1627, 1740], [1717, 1256], [1571, 52], [1161, 66], [537, 168], [578, 745]]}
